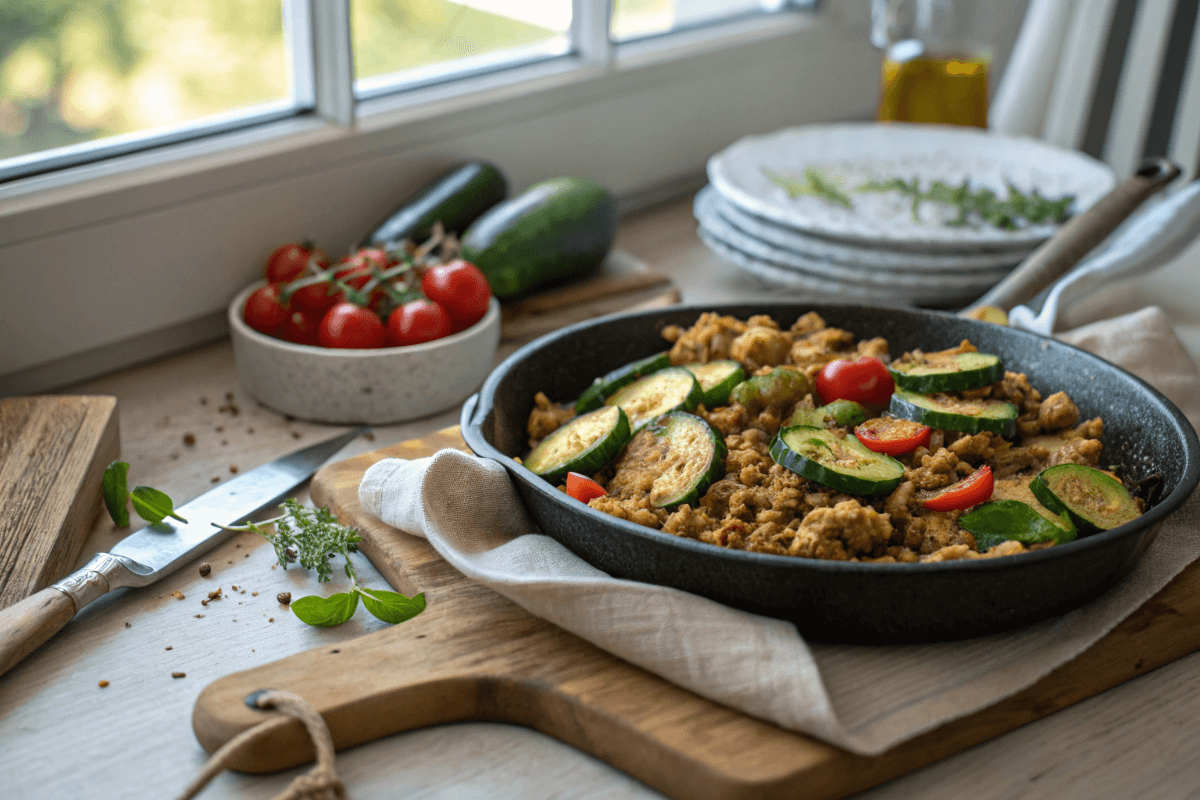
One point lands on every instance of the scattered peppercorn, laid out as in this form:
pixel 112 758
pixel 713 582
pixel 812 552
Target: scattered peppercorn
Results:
pixel 216 479
pixel 103 684
pixel 127 625
pixel 205 569
pixel 169 647
pixel 178 674
pixel 189 439
pixel 295 434
pixel 285 598
pixel 233 468
pixel 178 595
pixel 198 616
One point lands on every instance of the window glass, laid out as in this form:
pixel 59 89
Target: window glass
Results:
pixel 634 19
pixel 74 71
pixel 410 41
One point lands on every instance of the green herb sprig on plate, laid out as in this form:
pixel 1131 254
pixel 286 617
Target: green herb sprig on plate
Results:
pixel 314 538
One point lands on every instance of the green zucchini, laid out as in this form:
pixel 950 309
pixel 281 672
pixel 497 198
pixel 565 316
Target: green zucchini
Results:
pixel 781 386
pixel 839 412
pixel 717 379
pixel 666 390
pixel 456 198
pixel 694 457
pixel 947 372
pixel 593 396
pixel 557 229
pixel 843 464
pixel 1014 489
pixel 1004 520
pixel 585 444
pixel 953 414
pixel 1094 500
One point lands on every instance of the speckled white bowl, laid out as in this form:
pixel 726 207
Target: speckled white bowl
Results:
pixel 386 385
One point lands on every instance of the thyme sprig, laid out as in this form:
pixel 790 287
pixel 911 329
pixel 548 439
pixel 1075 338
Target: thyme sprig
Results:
pixel 314 538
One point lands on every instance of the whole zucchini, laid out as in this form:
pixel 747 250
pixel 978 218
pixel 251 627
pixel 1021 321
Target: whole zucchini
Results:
pixel 555 230
pixel 457 198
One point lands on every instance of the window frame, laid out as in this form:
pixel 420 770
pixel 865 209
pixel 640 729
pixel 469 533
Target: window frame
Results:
pixel 489 115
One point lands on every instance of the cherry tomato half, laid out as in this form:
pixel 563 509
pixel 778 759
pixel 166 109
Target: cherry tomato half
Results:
pixel 460 288
pixel 583 488
pixel 288 262
pixel 892 436
pixel 264 311
pixel 350 327
pixel 866 381
pixel 418 321
pixel 972 490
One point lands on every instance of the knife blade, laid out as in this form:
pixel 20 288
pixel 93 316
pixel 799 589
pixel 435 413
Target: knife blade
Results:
pixel 158 550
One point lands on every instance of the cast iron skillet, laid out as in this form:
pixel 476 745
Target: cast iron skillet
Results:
pixel 841 601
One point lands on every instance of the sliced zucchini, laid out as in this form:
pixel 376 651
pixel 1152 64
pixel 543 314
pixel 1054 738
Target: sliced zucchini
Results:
pixel 843 464
pixel 1017 489
pixel 1004 520
pixel 1094 500
pixel 717 379
pixel 839 412
pixel 694 457
pixel 585 444
pixel 593 396
pixel 668 389
pixel 782 386
pixel 946 372
pixel 954 414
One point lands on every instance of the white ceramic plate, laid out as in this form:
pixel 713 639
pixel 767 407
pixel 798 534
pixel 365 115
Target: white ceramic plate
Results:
pixel 709 208
pixel 779 277
pixel 856 153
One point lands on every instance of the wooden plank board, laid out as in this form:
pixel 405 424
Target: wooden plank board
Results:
pixel 473 655
pixel 53 451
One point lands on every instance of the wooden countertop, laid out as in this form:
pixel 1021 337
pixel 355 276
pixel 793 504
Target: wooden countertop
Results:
pixel 64 736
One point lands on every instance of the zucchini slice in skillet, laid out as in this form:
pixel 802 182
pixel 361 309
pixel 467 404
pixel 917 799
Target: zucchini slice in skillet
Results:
pixel 947 372
pixel 593 396
pixel 585 444
pixel 668 389
pixel 952 414
pixel 1003 520
pixel 717 379
pixel 694 457
pixel 1094 500
pixel 839 412
pixel 843 464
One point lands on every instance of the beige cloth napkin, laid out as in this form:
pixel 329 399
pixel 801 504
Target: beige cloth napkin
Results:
pixel 865 699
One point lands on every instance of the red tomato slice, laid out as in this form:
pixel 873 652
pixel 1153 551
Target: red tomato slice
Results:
pixel 583 488
pixel 866 381
pixel 892 436
pixel 972 490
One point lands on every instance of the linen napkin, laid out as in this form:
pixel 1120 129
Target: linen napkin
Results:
pixel 863 698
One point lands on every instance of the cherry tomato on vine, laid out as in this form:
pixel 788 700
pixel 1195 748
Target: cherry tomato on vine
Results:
pixel 355 270
pixel 418 321
pixel 892 436
pixel 972 490
pixel 316 298
pixel 301 328
pixel 347 326
pixel 460 288
pixel 264 311
pixel 583 488
pixel 288 262
pixel 866 381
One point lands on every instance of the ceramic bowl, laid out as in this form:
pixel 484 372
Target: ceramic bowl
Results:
pixel 377 387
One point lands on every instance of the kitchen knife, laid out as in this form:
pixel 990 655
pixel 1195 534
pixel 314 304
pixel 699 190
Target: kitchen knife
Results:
pixel 159 549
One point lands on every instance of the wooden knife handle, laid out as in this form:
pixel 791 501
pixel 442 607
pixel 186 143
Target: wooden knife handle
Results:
pixel 26 625
pixel 1074 240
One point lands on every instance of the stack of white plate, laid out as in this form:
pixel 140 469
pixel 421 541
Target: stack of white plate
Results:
pixel 877 251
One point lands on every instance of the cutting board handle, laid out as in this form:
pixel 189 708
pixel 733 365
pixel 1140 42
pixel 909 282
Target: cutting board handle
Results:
pixel 26 625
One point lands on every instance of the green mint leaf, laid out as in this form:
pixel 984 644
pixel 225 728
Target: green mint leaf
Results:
pixel 325 612
pixel 152 505
pixel 826 188
pixel 115 492
pixel 793 187
pixel 392 607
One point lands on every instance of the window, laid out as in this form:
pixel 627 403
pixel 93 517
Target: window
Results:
pixel 635 19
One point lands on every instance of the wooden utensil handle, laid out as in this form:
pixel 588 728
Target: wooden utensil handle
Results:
pixel 26 625
pixel 1076 239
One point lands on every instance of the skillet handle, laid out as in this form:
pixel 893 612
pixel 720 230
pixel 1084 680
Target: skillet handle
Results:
pixel 1074 240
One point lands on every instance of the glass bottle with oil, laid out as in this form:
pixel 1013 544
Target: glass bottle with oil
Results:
pixel 935 67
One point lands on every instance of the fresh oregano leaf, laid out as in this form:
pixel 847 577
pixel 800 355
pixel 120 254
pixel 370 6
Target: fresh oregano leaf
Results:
pixel 325 612
pixel 116 492
pixel 152 505
pixel 392 607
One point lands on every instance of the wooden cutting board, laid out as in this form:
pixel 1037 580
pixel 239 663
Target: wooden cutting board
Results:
pixel 473 655
pixel 53 451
